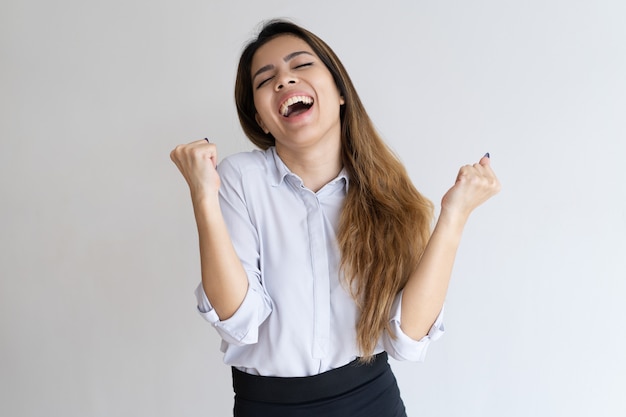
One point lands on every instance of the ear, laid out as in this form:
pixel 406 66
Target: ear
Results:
pixel 260 122
pixel 342 101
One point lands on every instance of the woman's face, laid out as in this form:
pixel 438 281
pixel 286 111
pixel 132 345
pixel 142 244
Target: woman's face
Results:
pixel 295 96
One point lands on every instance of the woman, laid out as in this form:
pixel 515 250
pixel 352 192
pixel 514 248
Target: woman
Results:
pixel 316 253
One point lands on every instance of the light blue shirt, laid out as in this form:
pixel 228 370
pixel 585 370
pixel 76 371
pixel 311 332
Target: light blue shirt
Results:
pixel 297 318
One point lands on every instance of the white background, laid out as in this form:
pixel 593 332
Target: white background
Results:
pixel 98 251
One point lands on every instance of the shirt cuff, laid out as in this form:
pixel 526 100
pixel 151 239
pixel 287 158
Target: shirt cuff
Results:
pixel 403 347
pixel 242 328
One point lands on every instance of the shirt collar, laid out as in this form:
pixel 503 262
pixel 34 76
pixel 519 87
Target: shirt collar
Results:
pixel 277 167
pixel 279 170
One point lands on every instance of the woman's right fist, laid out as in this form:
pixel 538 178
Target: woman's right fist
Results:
pixel 197 162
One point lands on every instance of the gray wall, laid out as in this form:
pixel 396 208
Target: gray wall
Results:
pixel 98 253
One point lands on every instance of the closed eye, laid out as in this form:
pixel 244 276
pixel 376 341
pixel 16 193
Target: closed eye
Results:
pixel 262 83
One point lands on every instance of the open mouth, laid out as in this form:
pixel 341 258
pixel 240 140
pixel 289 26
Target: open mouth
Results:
pixel 296 105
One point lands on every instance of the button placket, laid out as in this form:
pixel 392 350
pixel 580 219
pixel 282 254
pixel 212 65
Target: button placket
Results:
pixel 319 266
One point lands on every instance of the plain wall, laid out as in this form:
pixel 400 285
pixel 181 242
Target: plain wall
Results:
pixel 98 247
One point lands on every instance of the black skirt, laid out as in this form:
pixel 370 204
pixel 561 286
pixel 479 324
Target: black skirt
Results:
pixel 353 390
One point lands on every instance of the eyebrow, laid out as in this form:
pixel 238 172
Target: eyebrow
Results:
pixel 287 58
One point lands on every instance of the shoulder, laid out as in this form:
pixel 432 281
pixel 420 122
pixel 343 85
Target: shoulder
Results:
pixel 246 175
pixel 242 162
pixel 256 169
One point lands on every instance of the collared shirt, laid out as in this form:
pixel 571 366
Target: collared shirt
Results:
pixel 298 317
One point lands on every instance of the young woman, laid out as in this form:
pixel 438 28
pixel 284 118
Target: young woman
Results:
pixel 317 255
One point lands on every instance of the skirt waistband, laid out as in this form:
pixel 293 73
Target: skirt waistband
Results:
pixel 297 390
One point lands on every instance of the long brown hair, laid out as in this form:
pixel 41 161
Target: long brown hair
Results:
pixel 385 222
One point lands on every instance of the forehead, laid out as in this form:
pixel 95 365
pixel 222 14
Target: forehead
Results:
pixel 277 49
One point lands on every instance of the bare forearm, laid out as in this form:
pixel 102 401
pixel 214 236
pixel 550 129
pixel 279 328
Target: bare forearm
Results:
pixel 223 277
pixel 425 292
pixel 426 289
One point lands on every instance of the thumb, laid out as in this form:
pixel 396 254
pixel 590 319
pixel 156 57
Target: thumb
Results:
pixel 485 160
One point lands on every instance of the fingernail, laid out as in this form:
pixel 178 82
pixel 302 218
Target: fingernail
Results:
pixel 487 155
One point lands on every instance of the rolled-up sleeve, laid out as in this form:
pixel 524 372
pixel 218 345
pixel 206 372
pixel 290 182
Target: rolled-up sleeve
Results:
pixel 403 347
pixel 242 328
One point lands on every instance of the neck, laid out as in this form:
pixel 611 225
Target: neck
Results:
pixel 316 167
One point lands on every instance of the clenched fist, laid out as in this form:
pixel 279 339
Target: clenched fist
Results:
pixel 197 162
pixel 474 185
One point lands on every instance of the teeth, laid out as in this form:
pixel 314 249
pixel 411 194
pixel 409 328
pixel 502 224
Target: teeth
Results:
pixel 284 108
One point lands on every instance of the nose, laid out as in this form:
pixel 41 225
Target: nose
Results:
pixel 284 82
